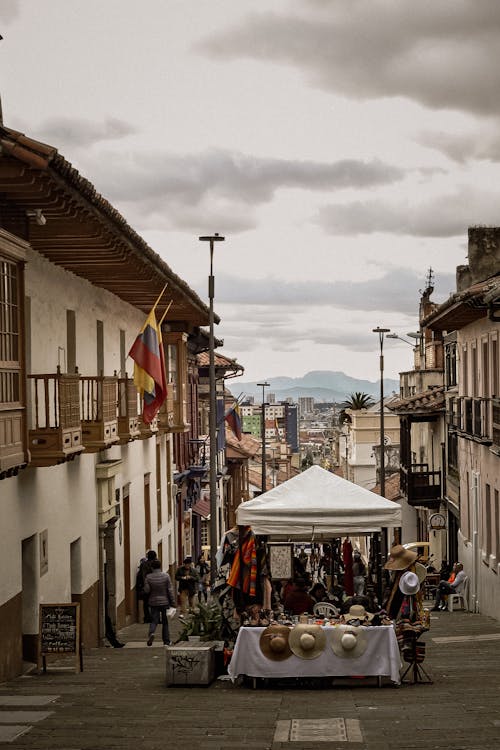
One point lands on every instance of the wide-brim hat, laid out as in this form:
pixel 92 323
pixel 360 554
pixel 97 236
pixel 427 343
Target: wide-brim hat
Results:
pixel 421 572
pixel 358 612
pixel 400 558
pixel 307 641
pixel 348 642
pixel 409 583
pixel 274 642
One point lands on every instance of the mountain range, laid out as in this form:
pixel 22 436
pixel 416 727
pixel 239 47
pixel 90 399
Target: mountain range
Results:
pixel 322 385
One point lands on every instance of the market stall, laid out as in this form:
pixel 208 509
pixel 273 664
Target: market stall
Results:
pixel 375 654
pixel 318 504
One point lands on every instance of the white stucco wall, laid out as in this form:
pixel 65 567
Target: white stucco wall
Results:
pixel 63 499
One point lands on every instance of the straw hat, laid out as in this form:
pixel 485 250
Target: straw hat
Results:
pixel 421 571
pixel 348 642
pixel 274 642
pixel 400 558
pixel 409 583
pixel 358 612
pixel 307 641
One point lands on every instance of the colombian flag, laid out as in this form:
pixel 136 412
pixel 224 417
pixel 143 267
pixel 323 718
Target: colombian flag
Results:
pixel 234 421
pixel 149 367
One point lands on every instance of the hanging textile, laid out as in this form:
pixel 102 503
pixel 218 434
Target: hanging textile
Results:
pixel 347 560
pixel 243 573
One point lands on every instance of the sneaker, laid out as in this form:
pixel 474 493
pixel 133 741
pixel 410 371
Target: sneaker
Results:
pixel 150 640
pixel 167 643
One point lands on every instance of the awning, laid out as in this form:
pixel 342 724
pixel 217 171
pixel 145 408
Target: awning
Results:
pixel 202 508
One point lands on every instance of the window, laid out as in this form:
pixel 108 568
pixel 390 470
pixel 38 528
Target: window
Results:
pixel 452 451
pixel 10 365
pixel 451 364
pixel 496 518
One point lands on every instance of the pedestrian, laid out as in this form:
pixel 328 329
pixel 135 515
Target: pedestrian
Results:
pixel 358 573
pixel 203 570
pixel 297 600
pixel 158 587
pixel 144 570
pixel 446 588
pixel 187 578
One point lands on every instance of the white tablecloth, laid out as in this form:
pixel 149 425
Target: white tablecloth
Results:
pixel 381 658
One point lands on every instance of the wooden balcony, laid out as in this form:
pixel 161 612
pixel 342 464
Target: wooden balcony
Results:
pixel 148 430
pixel 128 413
pixel 13 450
pixel 421 487
pixel 98 403
pixel 56 435
pixel 166 414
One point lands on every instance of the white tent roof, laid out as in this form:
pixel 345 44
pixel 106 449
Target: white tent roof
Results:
pixel 320 504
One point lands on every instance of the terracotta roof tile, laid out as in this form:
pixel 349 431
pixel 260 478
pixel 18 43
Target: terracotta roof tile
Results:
pixel 428 401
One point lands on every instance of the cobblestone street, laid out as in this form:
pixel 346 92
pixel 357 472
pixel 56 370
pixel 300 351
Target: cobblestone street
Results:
pixel 121 701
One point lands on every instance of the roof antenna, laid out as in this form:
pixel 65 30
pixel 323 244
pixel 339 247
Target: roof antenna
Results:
pixel 429 288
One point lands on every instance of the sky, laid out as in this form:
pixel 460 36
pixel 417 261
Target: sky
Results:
pixel 341 147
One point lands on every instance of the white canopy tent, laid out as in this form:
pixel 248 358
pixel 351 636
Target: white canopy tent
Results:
pixel 318 505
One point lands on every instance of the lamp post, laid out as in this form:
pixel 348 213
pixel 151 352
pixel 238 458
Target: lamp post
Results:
pixel 381 332
pixel 381 544
pixel 212 415
pixel 263 436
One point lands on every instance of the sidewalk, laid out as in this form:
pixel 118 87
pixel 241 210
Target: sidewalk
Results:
pixel 121 701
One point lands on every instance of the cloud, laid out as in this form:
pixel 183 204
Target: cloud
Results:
pixel 79 132
pixel 217 187
pixel 234 175
pixel 394 291
pixel 481 144
pixel 443 216
pixel 9 10
pixel 438 54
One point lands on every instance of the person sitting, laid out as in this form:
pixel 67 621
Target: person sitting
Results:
pixel 318 593
pixel 446 588
pixel 297 601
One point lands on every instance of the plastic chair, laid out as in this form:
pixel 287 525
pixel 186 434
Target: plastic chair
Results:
pixel 326 609
pixel 462 598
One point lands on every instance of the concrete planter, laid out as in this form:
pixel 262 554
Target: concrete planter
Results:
pixel 191 663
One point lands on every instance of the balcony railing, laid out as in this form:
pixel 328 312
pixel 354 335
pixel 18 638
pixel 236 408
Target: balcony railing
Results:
pixel 420 486
pixel 98 403
pixel 128 413
pixel 56 434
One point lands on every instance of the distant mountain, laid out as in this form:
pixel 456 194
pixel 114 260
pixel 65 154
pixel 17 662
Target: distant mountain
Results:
pixel 322 385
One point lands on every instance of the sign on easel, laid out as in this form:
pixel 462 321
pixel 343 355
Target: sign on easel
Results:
pixel 59 633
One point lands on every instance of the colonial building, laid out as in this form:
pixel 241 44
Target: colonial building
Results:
pixel 469 322
pixel 86 487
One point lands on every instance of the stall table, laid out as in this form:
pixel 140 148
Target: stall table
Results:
pixel 381 658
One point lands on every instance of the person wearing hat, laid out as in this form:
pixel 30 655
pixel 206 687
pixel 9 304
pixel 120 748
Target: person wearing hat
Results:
pixel 187 578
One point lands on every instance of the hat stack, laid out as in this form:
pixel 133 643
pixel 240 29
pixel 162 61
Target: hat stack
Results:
pixel 307 641
pixel 400 558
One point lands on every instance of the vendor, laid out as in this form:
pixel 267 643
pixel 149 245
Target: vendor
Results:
pixel 297 601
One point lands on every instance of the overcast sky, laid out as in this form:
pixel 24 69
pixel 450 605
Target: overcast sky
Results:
pixel 341 146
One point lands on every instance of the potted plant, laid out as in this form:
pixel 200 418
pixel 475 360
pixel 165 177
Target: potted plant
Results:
pixel 203 624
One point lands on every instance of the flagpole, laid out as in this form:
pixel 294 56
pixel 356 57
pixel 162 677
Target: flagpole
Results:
pixel 160 296
pixel 166 311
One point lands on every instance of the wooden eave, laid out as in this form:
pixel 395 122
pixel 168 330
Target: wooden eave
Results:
pixel 465 307
pixel 83 233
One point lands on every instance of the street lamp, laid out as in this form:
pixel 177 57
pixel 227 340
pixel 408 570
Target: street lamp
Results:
pixel 263 436
pixel 212 415
pixel 381 549
pixel 381 332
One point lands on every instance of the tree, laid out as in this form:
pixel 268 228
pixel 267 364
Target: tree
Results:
pixel 355 401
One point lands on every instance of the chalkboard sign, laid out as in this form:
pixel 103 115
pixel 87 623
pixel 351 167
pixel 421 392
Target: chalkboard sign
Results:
pixel 59 631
